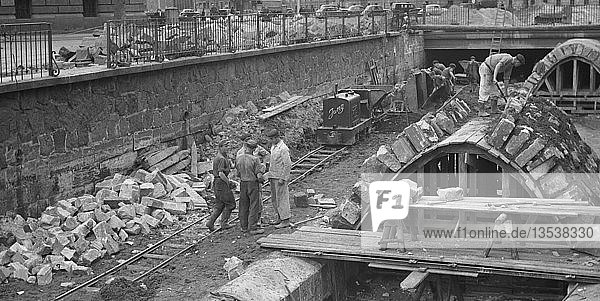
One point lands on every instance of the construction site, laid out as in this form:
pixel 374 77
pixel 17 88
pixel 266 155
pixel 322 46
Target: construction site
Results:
pixel 109 174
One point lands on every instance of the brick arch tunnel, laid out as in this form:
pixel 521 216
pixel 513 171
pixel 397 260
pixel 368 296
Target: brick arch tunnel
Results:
pixel 569 76
pixel 535 142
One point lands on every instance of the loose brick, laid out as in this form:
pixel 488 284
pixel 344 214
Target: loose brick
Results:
pixel 388 158
pixel 517 140
pixel 428 131
pixel 444 123
pixel 542 169
pixel 90 256
pixel 553 183
pixel 403 149
pixel 530 152
pixel 171 207
pixel 19 271
pixel 501 133
pixel 417 138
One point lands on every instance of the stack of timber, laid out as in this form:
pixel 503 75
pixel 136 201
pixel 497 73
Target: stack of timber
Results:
pixel 362 246
pixel 168 161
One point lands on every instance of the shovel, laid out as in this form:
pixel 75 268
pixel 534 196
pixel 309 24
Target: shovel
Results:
pixel 505 99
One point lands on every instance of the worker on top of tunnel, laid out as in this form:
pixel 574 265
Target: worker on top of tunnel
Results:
pixel 488 74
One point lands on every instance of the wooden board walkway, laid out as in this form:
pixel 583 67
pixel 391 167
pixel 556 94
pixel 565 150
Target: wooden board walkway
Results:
pixel 361 246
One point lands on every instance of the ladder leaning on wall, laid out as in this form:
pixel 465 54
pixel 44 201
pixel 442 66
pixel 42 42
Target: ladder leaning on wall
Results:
pixel 499 22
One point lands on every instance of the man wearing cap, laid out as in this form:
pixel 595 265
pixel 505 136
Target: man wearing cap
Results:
pixel 488 73
pixel 473 72
pixel 250 171
pixel 224 199
pixel 448 74
pixel 259 152
pixel 263 155
pixel 279 179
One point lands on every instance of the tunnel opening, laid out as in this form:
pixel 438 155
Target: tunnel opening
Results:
pixel 520 74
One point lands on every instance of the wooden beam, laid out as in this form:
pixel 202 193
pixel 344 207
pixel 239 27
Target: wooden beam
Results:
pixel 549 86
pixel 506 187
pixel 592 78
pixel 575 76
pixel 559 87
pixel 413 280
pixel 462 171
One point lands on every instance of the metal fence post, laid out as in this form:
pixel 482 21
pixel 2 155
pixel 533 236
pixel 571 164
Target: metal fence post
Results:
pixel 306 27
pixel 229 36
pixel 343 26
pixel 358 22
pixel 156 45
pixel 50 56
pixel 197 45
pixel 283 21
pixel 257 30
pixel 326 30
pixel 109 50
pixel 385 19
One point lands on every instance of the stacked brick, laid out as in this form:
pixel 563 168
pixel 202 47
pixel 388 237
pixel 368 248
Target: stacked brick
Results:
pixel 418 137
pixel 537 138
pixel 78 231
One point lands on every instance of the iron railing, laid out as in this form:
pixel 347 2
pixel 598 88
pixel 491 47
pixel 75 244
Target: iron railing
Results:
pixel 518 17
pixel 137 41
pixel 25 51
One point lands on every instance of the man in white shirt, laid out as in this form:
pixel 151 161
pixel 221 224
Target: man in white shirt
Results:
pixel 279 179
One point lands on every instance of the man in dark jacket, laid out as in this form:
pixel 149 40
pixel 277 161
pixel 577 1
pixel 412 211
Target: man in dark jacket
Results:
pixel 224 199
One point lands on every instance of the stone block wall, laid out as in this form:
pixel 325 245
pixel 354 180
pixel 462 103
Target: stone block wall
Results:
pixel 57 141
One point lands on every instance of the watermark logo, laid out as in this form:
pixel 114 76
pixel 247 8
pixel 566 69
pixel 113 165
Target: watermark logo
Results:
pixel 389 200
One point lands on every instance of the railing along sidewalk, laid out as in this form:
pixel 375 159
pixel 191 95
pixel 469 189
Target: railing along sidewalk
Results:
pixel 534 15
pixel 154 40
pixel 26 51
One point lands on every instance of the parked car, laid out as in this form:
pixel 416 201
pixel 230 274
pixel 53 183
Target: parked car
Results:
pixel 355 10
pixel 188 14
pixel 329 11
pixel 433 9
pixel 401 8
pixel 373 10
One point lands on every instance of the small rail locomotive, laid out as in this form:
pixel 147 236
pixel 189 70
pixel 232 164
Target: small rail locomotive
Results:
pixel 350 113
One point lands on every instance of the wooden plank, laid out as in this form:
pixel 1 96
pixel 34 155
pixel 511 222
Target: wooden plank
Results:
pixel 156 256
pixel 286 106
pixel 506 184
pixel 510 266
pixel 161 155
pixel 466 131
pixel 413 280
pixel 431 271
pixel 549 86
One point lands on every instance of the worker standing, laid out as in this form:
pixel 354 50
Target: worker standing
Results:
pixel 279 179
pixel 473 72
pixel 488 73
pixel 224 199
pixel 448 74
pixel 264 156
pixel 439 66
pixel 250 171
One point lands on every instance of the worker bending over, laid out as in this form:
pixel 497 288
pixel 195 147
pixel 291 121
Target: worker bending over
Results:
pixel 488 74
pixel 448 74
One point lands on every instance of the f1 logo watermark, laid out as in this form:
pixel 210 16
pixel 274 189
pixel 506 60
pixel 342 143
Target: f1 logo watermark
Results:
pixel 388 200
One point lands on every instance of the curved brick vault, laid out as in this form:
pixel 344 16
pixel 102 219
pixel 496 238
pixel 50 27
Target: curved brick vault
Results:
pixel 535 140
pixel 569 76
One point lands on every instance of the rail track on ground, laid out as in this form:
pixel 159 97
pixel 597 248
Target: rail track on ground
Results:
pixel 305 165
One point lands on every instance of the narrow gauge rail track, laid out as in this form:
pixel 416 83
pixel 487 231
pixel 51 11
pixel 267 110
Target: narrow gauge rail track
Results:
pixel 300 169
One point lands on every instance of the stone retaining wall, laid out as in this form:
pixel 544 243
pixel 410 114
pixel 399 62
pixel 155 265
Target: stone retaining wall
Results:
pixel 61 135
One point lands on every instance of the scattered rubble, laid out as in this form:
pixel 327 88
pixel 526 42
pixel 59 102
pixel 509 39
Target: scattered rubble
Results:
pixel 77 232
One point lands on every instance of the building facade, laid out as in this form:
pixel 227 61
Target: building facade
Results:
pixel 65 14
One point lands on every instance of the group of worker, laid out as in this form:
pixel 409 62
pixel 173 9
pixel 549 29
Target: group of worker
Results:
pixel 485 73
pixel 251 163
